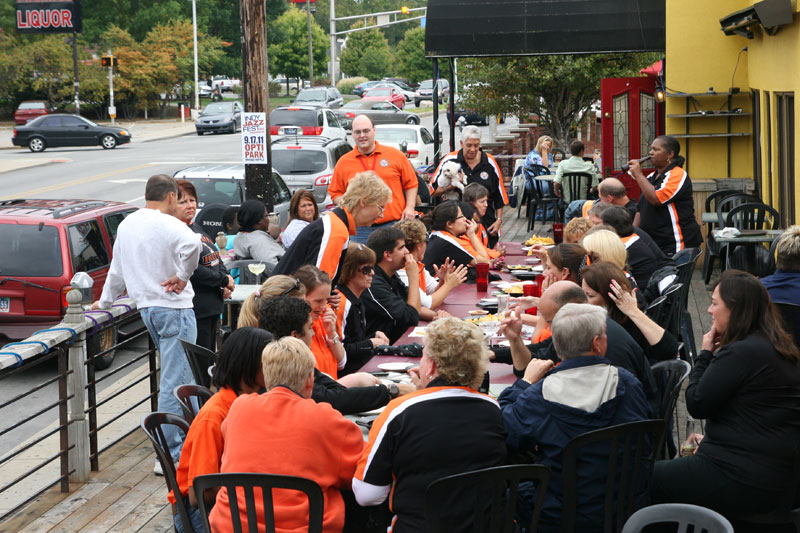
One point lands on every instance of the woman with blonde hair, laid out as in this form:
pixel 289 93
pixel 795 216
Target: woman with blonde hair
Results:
pixel 421 437
pixel 323 243
pixel 542 154
pixel 605 245
pixel 278 285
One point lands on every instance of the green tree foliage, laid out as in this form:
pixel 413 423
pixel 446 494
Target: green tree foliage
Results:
pixel 411 62
pixel 560 89
pixel 36 69
pixel 344 8
pixel 366 54
pixel 289 54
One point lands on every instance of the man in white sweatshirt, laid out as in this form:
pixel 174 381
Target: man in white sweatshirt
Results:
pixel 155 254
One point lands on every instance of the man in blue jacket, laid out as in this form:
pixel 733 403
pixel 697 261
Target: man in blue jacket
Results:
pixel 550 406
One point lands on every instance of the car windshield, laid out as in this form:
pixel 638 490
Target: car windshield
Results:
pixel 380 92
pixel 355 104
pixel 31 105
pixel 31 251
pixel 293 117
pixel 395 135
pixel 311 96
pixel 219 191
pixel 303 161
pixel 427 84
pixel 218 108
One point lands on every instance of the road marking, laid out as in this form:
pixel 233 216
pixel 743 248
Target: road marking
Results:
pixel 36 192
pixel 134 200
pixel 132 180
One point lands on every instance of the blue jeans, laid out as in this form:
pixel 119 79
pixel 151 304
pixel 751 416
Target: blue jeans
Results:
pixel 194 517
pixel 167 326
pixel 363 232
pixel 574 210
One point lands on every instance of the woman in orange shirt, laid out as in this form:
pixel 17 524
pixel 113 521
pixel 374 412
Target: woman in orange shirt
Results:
pixel 477 196
pixel 326 345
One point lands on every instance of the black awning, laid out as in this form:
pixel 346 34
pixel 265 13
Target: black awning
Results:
pixel 474 28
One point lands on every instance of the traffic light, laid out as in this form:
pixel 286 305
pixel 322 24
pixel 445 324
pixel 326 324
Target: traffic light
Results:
pixel 404 10
pixel 108 61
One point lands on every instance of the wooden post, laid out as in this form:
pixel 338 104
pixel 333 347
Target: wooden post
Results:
pixel 76 388
pixel 255 73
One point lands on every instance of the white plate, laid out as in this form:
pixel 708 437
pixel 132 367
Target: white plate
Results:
pixel 395 367
pixel 488 300
pixel 507 343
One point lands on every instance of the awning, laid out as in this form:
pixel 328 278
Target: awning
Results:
pixel 769 14
pixel 652 70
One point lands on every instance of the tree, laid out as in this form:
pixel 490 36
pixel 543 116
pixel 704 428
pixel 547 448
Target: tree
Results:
pixel 289 55
pixel 366 54
pixel 411 62
pixel 560 89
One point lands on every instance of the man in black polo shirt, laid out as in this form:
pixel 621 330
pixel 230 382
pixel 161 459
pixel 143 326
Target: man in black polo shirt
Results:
pixel 391 307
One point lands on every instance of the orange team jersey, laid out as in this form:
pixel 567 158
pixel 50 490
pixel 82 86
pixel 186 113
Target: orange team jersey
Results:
pixel 390 164
pixel 484 237
pixel 325 360
pixel 202 449
pixel 585 209
pixel 544 334
pixel 423 283
pixel 465 242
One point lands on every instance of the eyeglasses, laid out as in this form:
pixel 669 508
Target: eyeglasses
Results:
pixel 361 132
pixel 381 209
pixel 294 287
pixel 367 270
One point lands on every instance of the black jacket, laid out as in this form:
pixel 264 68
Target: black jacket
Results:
pixel 208 279
pixel 357 344
pixel 387 310
pixel 346 400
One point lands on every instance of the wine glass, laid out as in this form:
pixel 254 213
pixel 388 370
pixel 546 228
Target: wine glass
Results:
pixel 257 269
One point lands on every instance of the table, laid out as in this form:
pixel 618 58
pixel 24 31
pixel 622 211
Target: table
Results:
pixel 749 241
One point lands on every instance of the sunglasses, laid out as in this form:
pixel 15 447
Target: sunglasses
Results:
pixel 294 287
pixel 367 270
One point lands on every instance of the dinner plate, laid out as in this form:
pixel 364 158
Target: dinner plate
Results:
pixel 507 343
pixel 396 367
pixel 489 300
pixel 478 312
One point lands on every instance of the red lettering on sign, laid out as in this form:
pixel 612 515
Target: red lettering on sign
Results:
pixel 44 18
pixel 66 18
pixel 21 22
pixel 34 18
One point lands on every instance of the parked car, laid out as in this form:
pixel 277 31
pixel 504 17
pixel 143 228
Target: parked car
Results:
pixel 386 94
pixel 224 83
pixel 67 130
pixel 307 162
pixel 294 84
pixel 320 97
pixel 219 117
pixel 414 140
pixel 30 110
pixel 425 91
pixel 379 112
pixel 359 89
pixel 402 82
pixel 408 92
pixel 47 242
pixel 204 90
pixel 299 120
pixel 221 186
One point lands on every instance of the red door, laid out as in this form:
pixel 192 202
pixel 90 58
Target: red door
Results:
pixel 631 119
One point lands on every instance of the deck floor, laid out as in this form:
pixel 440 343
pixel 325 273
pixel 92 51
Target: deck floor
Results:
pixel 125 495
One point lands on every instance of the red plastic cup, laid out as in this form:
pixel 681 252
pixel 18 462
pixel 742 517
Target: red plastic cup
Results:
pixel 558 232
pixel 482 276
pixel 531 289
pixel 540 283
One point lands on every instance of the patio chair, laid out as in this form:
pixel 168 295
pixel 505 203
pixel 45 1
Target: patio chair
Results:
pixel 687 261
pixel 185 393
pixel 200 359
pixel 628 448
pixel 493 494
pixel 530 172
pixel 700 519
pixel 578 184
pixel 669 377
pixel 246 483
pixel 712 250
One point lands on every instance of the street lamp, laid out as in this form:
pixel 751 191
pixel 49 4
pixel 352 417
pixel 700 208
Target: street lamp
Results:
pixel 194 30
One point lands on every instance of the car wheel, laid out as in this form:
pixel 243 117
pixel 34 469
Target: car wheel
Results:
pixel 412 120
pixel 108 141
pixel 416 102
pixel 200 133
pixel 36 144
pixel 100 342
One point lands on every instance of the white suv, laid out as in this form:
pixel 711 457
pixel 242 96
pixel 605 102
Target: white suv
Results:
pixel 300 120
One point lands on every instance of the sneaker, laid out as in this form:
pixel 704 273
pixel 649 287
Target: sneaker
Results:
pixel 157 469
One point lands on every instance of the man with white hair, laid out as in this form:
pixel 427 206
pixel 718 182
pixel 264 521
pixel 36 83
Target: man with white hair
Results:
pixel 478 167
pixel 784 285
pixel 550 406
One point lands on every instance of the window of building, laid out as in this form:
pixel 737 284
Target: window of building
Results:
pixel 784 115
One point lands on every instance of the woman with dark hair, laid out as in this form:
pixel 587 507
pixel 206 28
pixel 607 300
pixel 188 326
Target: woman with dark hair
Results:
pixel 210 280
pixel 607 286
pixel 253 240
pixel 449 223
pixel 303 211
pixel 746 385
pixel 238 371
pixel 477 196
pixel 666 207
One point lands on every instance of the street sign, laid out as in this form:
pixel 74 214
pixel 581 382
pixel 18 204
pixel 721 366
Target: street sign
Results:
pixel 112 111
pixel 35 16
pixel 254 138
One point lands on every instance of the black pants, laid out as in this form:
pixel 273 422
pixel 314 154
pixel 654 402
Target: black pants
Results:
pixel 207 332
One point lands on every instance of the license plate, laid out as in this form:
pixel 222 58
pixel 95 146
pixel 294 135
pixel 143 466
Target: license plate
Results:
pixel 5 305
pixel 290 131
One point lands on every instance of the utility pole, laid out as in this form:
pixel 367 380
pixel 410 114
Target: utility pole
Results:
pixel 255 73
pixel 194 37
pixel 311 46
pixel 112 111
pixel 76 84
pixel 332 66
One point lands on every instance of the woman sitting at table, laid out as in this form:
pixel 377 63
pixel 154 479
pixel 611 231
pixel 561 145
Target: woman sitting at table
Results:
pixel 237 372
pixel 746 385
pixel 303 211
pixel 448 224
pixel 576 230
pixel 606 285
pixel 253 240
pixel 432 292
pixel 351 320
pixel 477 196
pixel 446 427
pixel 605 245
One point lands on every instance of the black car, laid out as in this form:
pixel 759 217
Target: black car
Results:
pixel 220 116
pixel 67 130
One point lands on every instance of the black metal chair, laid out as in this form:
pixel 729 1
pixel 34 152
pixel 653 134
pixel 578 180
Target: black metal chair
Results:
pixel 751 257
pixel 547 200
pixel 578 184
pixel 248 482
pixel 152 425
pixel 687 262
pixel 184 395
pixel 701 519
pixel 530 172
pixel 629 449
pixel 791 319
pixel 495 498
pixel 725 205
pixel 669 377
pixel 200 359
pixel 712 250
pixel 671 316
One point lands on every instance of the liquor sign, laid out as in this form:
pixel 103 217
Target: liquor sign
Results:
pixel 34 16
pixel 254 138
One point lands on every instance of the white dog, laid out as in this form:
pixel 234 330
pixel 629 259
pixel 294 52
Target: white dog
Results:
pixel 451 174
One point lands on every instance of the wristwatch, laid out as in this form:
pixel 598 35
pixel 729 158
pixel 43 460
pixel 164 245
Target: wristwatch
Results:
pixel 335 339
pixel 394 390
